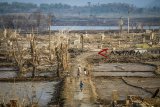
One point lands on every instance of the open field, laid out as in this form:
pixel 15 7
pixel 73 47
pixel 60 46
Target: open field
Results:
pixel 40 58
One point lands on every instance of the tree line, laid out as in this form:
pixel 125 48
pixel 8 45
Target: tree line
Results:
pixel 13 7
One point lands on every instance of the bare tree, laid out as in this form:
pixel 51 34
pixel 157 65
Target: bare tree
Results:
pixel 121 24
pixel 19 53
pixel 13 49
pixel 61 52
pixel 50 16
pixel 33 53
pixel 58 56
pixel 5 43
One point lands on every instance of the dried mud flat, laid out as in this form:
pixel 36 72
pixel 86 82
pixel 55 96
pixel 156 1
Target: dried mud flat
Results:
pixel 148 84
pixel 105 86
pixel 127 79
pixel 124 69
pixel 26 92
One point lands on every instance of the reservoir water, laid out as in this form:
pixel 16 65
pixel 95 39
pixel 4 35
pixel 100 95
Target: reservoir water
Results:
pixel 97 27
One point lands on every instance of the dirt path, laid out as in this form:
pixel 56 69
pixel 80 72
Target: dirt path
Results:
pixel 73 95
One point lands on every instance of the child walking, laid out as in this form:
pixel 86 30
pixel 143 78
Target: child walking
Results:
pixel 81 85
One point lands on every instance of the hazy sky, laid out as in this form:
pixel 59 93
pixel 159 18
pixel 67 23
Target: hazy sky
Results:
pixel 138 3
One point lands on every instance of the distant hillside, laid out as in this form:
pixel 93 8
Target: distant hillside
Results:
pixel 139 3
pixel 79 11
pixel 155 3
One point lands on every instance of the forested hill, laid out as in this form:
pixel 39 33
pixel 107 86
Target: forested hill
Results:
pixel 138 3
pixel 120 8
pixel 155 3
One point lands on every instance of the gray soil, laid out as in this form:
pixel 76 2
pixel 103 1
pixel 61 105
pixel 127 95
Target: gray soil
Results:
pixel 124 69
pixel 27 92
pixel 105 86
pixel 126 78
pixel 13 73
pixel 149 84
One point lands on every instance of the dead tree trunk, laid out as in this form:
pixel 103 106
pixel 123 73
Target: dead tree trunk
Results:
pixel 62 53
pixel 82 41
pixel 33 54
pixel 62 58
pixel 65 56
pixel 58 61
pixel 49 25
pixel 120 25
pixel 18 55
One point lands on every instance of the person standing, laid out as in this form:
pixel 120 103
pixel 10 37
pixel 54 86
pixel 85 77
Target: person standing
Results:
pixel 85 71
pixel 79 71
pixel 81 85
